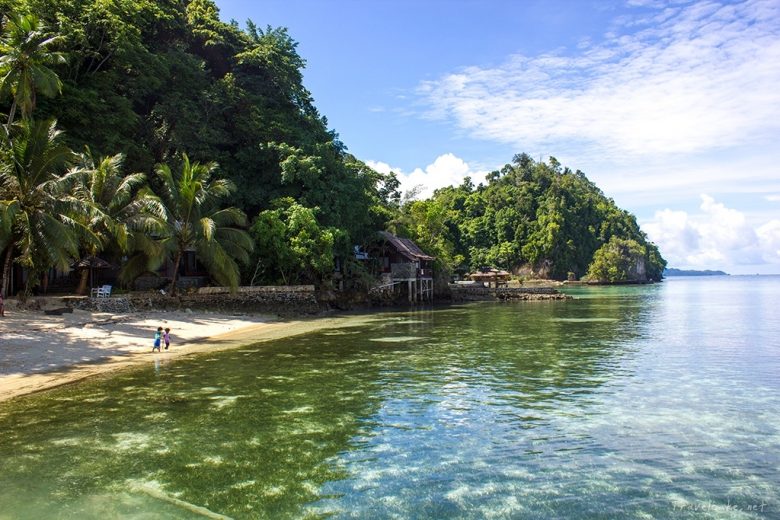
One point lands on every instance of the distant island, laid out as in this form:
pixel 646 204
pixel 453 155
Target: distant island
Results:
pixel 691 272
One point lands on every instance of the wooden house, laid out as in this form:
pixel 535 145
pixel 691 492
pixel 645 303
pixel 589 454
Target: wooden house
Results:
pixel 403 267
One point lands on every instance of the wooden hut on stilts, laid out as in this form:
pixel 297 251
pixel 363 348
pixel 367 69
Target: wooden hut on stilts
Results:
pixel 404 267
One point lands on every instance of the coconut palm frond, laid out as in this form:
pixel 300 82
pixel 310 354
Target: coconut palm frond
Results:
pixel 207 227
pixel 221 265
pixel 229 217
pixel 194 219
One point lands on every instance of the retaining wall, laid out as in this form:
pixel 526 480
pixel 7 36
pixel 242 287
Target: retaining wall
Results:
pixel 482 293
pixel 296 299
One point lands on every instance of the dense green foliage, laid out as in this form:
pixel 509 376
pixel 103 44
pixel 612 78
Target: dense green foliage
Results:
pixel 152 79
pixel 119 209
pixel 195 220
pixel 145 84
pixel 617 261
pixel 25 57
pixel 296 249
pixel 532 217
pixel 38 198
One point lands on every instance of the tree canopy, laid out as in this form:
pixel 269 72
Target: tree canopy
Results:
pixel 148 83
pixel 152 79
pixel 534 217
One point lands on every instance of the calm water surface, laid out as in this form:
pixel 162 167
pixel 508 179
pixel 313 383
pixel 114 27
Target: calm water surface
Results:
pixel 636 402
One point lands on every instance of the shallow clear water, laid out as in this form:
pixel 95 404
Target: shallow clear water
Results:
pixel 633 402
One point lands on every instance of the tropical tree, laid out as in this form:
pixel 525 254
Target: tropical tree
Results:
pixel 25 57
pixel 292 246
pixel 37 202
pixel 121 206
pixel 618 261
pixel 429 228
pixel 194 221
pixel 530 217
pixel 8 212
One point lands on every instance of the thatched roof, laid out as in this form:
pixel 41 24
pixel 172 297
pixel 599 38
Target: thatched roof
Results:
pixel 489 274
pixel 406 247
pixel 91 261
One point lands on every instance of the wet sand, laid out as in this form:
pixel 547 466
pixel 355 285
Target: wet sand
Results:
pixel 39 351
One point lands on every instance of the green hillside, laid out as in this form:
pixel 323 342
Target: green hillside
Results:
pixel 166 86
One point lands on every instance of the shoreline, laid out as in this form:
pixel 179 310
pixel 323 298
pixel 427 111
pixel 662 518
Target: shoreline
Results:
pixel 39 352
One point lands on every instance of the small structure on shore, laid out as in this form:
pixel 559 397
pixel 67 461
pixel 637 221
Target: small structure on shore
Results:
pixel 490 276
pixel 403 267
pixel 90 263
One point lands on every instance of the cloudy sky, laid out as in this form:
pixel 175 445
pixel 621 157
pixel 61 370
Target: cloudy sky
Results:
pixel 672 107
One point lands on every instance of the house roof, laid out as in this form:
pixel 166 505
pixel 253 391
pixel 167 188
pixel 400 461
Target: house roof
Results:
pixel 406 247
pixel 91 261
pixel 490 274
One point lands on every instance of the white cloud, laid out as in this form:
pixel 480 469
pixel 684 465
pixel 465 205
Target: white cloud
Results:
pixel 716 238
pixel 445 170
pixel 689 79
pixel 646 3
pixel 769 235
pixel 679 98
pixel 662 179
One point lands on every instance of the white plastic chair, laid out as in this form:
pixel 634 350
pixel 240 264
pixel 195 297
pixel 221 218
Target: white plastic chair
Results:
pixel 101 292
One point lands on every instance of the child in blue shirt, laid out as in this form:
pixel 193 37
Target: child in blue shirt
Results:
pixel 157 338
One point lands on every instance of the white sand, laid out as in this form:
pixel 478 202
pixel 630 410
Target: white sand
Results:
pixel 39 351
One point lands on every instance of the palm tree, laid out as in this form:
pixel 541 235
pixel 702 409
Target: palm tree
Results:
pixel 24 63
pixel 36 196
pixel 121 206
pixel 195 222
pixel 8 210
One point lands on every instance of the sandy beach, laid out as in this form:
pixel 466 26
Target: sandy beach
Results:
pixel 40 351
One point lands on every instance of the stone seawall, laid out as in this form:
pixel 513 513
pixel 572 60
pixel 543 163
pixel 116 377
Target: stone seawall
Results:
pixel 481 293
pixel 295 299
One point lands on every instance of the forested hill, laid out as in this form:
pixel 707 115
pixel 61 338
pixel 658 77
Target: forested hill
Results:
pixel 540 217
pixel 153 80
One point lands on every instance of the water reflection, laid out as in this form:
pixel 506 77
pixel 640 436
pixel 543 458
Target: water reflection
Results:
pixel 603 407
pixel 243 433
pixel 468 412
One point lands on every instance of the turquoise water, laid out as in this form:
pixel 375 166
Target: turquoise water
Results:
pixel 659 401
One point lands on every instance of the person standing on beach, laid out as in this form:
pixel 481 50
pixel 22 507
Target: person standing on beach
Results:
pixel 167 337
pixel 157 339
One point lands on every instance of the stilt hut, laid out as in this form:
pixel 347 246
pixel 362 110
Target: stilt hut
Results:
pixel 404 267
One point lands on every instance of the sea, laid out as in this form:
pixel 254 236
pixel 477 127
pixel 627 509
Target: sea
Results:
pixel 652 401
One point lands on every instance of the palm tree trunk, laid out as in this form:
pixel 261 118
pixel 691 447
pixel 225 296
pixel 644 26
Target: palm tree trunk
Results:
pixel 7 270
pixel 82 288
pixel 29 284
pixel 12 112
pixel 175 272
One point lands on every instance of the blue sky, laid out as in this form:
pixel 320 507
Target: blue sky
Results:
pixel 671 107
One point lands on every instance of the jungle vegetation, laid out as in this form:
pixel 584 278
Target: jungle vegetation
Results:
pixel 137 130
